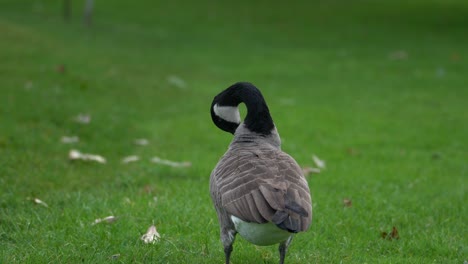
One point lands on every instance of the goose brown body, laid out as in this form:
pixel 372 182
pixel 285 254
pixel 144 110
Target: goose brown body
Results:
pixel 256 182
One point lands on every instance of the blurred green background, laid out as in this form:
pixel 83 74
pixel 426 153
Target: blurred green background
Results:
pixel 377 89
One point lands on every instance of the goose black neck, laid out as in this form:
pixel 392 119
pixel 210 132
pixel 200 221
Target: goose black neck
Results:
pixel 258 117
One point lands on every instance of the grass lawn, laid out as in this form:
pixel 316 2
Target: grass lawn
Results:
pixel 378 89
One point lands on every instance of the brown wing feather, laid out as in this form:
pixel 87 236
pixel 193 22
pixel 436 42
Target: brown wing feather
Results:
pixel 264 185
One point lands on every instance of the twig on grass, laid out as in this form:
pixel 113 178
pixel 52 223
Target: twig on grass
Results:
pixel 170 162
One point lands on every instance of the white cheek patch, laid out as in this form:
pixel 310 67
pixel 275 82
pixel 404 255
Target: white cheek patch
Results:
pixel 228 113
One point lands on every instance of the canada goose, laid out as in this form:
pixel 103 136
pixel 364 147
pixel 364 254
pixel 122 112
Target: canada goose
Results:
pixel 258 190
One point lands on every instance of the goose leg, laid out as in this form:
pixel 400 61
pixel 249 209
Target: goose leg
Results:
pixel 227 253
pixel 227 238
pixel 227 230
pixel 283 248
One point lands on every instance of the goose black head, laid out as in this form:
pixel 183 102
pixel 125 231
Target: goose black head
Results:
pixel 225 111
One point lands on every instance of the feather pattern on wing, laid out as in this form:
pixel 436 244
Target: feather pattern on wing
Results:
pixel 259 183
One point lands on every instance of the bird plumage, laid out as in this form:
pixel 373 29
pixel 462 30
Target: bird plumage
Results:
pixel 255 181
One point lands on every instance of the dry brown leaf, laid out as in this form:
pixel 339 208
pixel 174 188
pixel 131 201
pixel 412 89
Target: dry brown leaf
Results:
pixel 69 140
pixel 38 201
pixel 60 68
pixel 318 162
pixel 83 118
pixel 393 234
pixel 108 219
pixel 129 159
pixel 383 234
pixel 347 202
pixel 77 155
pixel 151 236
pixel 171 163
pixel 141 141
pixel 309 170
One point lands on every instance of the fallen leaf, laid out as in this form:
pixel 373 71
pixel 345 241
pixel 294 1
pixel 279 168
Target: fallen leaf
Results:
pixel 320 163
pixel 60 68
pixel 352 151
pixel 398 55
pixel 38 201
pixel 309 170
pixel 108 219
pixel 151 236
pixel 76 155
pixel 171 163
pixel 176 81
pixel 141 141
pixel 384 234
pixel 393 234
pixel 129 159
pixel 83 119
pixel 115 256
pixel 69 140
pixel 347 202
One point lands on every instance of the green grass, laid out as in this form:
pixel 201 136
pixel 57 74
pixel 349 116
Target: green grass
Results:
pixel 393 131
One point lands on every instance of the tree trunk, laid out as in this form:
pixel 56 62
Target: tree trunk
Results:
pixel 88 13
